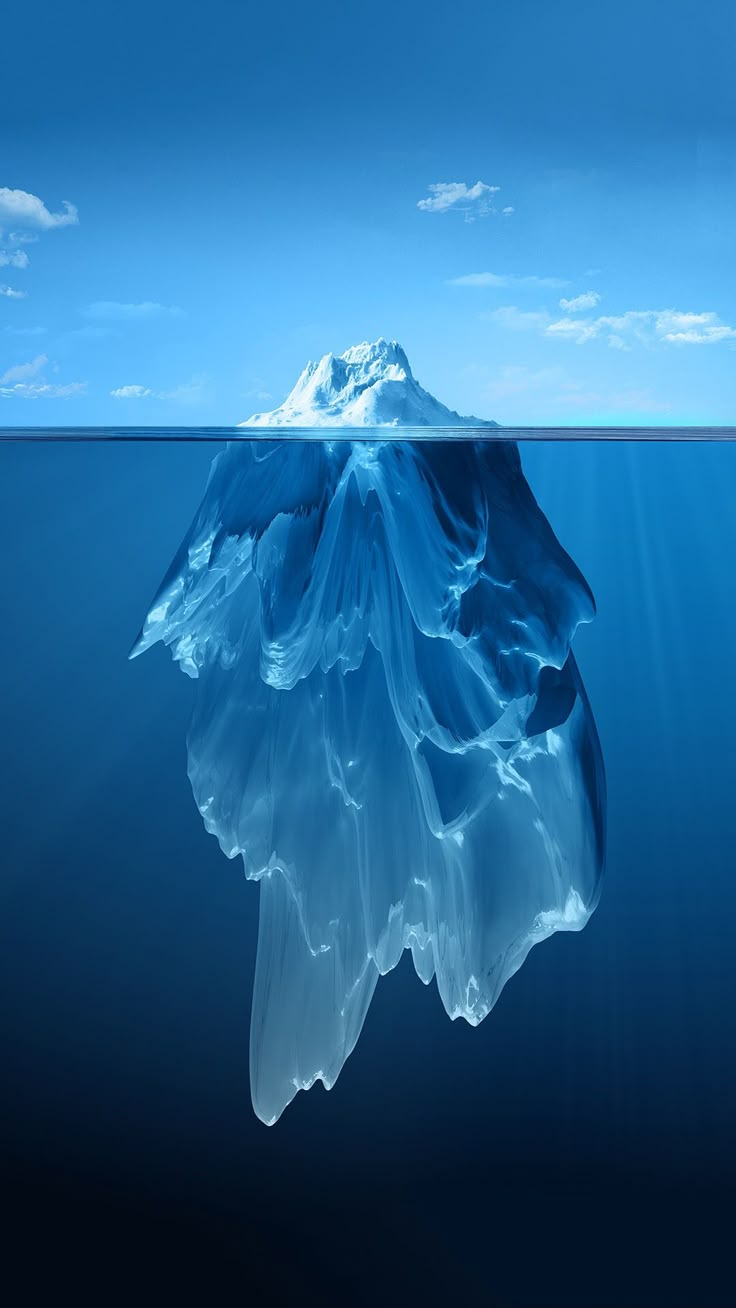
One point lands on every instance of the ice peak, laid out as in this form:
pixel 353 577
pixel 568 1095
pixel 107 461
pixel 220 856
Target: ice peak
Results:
pixel 379 356
pixel 368 385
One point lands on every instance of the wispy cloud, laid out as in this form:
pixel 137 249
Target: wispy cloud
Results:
pixel 645 327
pixel 25 381
pixel 42 390
pixel 13 259
pixel 489 279
pixel 23 371
pixel 588 300
pixel 473 202
pixel 114 311
pixel 507 210
pixel 27 215
pixel 188 394
pixel 22 209
pixel 131 392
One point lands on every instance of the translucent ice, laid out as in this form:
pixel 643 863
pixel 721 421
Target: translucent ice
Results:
pixel 389 725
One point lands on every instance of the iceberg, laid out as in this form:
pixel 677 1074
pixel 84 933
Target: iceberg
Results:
pixel 389 725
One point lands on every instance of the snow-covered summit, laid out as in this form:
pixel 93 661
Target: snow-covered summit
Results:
pixel 370 385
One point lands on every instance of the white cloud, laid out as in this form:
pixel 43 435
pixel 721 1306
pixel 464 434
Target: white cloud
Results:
pixel 508 210
pixel 25 381
pixel 588 300
pixel 22 371
pixel 573 329
pixel 13 259
pixel 41 391
pixel 189 394
pixel 506 279
pixel 114 311
pixel 692 328
pixel 644 327
pixel 22 209
pixel 131 392
pixel 473 201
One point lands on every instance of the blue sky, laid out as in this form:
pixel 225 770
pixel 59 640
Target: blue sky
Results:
pixel 196 200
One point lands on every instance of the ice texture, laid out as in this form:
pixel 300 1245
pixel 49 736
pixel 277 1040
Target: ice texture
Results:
pixel 389 726
pixel 370 385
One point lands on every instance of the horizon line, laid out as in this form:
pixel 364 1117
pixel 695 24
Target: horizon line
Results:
pixel 217 434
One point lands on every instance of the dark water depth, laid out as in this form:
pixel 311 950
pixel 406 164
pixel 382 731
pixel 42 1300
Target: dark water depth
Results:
pixel 578 1148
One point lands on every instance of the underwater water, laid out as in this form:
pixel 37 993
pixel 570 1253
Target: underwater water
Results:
pixel 579 1146
pixel 389 726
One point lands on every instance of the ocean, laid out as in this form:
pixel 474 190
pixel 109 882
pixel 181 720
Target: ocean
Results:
pixel 577 1148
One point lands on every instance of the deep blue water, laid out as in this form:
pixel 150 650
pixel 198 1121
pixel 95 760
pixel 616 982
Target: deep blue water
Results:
pixel 578 1148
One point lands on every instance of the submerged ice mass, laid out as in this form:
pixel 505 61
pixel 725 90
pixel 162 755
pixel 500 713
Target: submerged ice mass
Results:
pixel 389 724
